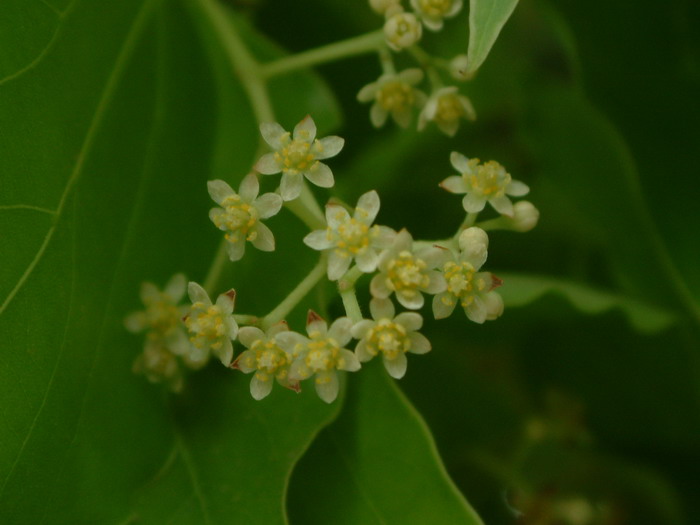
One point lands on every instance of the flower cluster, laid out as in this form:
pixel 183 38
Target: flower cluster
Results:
pixel 352 246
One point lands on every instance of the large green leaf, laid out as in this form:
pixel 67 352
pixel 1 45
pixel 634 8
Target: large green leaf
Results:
pixel 106 150
pixel 486 19
pixel 377 463
pixel 522 289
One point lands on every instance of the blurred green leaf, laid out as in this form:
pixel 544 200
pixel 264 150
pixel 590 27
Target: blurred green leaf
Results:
pixel 486 19
pixel 522 289
pixel 377 463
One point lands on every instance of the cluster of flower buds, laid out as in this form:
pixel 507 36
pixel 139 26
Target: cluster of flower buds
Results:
pixel 396 94
pixel 351 245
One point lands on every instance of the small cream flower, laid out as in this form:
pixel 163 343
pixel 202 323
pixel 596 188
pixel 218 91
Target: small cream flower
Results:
pixel 483 183
pixel 446 107
pixel 321 354
pixel 160 365
pixel 525 216
pixel 389 335
pixel 162 316
pixel 466 285
pixel 266 358
pixel 349 238
pixel 394 95
pixel 298 156
pixel 240 214
pixel 433 12
pixel 406 273
pixel 383 6
pixel 402 30
pixel 211 326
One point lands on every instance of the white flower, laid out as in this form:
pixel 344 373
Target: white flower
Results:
pixel 211 326
pixel 383 6
pixel 160 365
pixel 483 183
pixel 240 214
pixel 321 354
pixel 402 30
pixel 390 336
pixel 162 316
pixel 432 12
pixel 458 68
pixel 466 285
pixel 394 95
pixel 349 238
pixel 298 156
pixel 407 273
pixel 266 358
pixel 446 107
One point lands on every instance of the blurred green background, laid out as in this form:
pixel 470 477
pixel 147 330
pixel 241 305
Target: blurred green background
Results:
pixel 581 405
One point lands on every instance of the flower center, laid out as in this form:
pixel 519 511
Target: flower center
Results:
pixel 353 236
pixel 490 179
pixel 269 357
pixel 295 156
pixel 388 338
pixel 206 324
pixel 323 354
pixel 239 219
pixel 437 8
pixel 449 109
pixel 162 315
pixel 407 272
pixel 463 281
pixel 396 96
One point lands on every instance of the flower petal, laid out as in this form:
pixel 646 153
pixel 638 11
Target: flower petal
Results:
pixel 360 328
pixel 260 388
pixel 460 162
pixel 402 117
pixel 412 300
pixel 289 340
pixel 517 188
pixel 318 240
pixel 327 386
pixel 473 203
pixel 377 115
pixel 176 287
pixel 225 302
pixel 336 215
pixel 272 133
pixel 299 371
pixel 225 353
pixel 305 130
pixel 494 305
pixel 378 287
pixel 443 305
pixel 412 76
pixel 397 366
pixel 197 294
pixel 135 322
pixel 367 207
pixel 219 190
pixel 385 238
pixel 249 188
pixel 351 362
pixel 245 362
pixel 340 330
pixel 320 175
pixel 328 147
pixel 149 293
pixel 437 283
pixel 236 249
pixel 367 260
pixel 381 309
pixel 454 184
pixel 290 186
pixel 268 205
pixel 367 93
pixel 267 165
pixel 247 335
pixel 362 353
pixel 264 240
pixel 411 321
pixel 476 310
pixel 502 205
pixel 419 343
pixel 338 264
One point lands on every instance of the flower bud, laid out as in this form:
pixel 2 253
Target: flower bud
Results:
pixel 474 244
pixel 494 306
pixel 458 68
pixel 402 30
pixel 383 6
pixel 525 216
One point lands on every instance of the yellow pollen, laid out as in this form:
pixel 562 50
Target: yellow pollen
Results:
pixel 490 179
pixel 396 96
pixel 407 272
pixel 436 8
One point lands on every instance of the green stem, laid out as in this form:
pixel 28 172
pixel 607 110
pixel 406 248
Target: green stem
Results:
pixel 247 69
pixel 387 61
pixel 358 45
pixel 352 307
pixel 250 320
pixel 427 62
pixel 348 280
pixel 304 287
pixel 217 267
pixel 307 209
pixel 469 221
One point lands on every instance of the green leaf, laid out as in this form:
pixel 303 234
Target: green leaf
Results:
pixel 520 290
pixel 109 133
pixel 377 463
pixel 486 19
